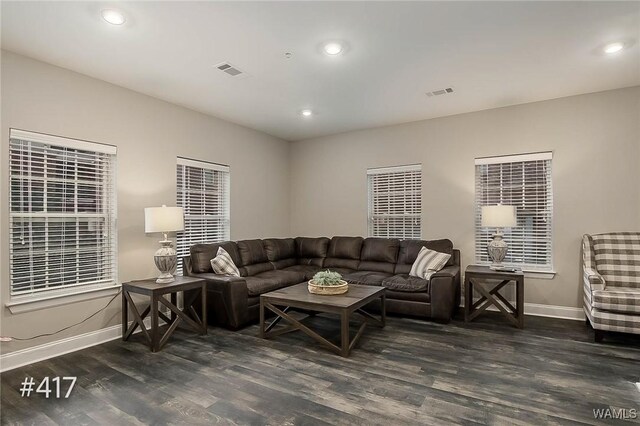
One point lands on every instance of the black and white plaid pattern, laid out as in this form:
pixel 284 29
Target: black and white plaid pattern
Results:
pixel 617 299
pixel 223 264
pixel 591 278
pixel 611 321
pixel 611 281
pixel 617 257
pixel 428 263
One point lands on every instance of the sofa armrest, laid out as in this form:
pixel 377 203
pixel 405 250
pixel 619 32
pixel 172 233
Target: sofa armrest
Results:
pixel 449 271
pixel 444 289
pixel 594 277
pixel 227 299
pixel 592 281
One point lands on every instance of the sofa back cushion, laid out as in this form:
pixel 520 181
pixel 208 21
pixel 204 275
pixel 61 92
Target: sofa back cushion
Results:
pixel 617 257
pixel 254 257
pixel 279 248
pixel 345 247
pixel 201 255
pixel 311 251
pixel 379 254
pixel 409 250
pixel 344 252
pixel 281 252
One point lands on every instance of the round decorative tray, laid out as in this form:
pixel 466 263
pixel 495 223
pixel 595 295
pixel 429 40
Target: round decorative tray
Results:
pixel 328 289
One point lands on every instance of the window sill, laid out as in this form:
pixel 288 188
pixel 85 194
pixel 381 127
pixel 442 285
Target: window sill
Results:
pixel 21 304
pixel 541 275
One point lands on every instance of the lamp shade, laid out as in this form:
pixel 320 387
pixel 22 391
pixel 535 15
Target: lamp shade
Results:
pixel 163 219
pixel 499 216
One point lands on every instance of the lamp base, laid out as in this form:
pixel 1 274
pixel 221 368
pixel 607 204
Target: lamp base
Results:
pixel 166 261
pixel 165 278
pixel 497 249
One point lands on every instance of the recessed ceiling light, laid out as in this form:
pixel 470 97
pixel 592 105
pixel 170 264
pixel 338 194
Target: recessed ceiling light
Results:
pixel 113 17
pixel 613 47
pixel 333 48
pixel 306 112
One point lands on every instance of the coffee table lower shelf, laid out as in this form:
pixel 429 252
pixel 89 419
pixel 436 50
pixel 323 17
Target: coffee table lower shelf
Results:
pixel 282 301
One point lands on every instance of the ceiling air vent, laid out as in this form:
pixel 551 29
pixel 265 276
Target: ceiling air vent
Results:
pixel 439 92
pixel 231 70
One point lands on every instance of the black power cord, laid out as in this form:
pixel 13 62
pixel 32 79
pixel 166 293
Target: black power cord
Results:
pixel 9 338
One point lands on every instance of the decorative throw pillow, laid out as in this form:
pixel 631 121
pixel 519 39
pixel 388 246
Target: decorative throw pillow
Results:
pixel 223 264
pixel 428 263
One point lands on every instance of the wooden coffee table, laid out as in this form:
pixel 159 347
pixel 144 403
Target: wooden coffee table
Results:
pixel 344 305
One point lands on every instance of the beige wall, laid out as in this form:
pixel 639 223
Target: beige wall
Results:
pixel 149 134
pixel 595 140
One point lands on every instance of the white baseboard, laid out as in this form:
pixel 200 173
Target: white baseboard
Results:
pixel 27 356
pixel 551 311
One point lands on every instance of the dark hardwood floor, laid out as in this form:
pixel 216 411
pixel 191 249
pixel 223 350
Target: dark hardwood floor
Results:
pixel 411 372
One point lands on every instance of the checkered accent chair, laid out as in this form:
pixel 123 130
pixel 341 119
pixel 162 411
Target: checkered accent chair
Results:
pixel 611 275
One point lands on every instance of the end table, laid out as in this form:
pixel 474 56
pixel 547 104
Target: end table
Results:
pixel 475 276
pixel 156 294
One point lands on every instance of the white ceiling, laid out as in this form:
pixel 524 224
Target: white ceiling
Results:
pixel 492 53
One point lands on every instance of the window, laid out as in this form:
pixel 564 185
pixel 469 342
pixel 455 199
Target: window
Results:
pixel 395 202
pixel 523 181
pixel 62 222
pixel 203 193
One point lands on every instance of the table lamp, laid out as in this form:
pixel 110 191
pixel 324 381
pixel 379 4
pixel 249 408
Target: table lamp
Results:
pixel 498 217
pixel 164 220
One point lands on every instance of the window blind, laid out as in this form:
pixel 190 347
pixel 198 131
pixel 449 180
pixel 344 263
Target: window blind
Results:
pixel 395 202
pixel 62 214
pixel 523 181
pixel 203 193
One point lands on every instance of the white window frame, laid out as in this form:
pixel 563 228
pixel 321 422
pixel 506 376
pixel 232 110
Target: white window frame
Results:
pixel 534 243
pixel 195 222
pixel 54 277
pixel 410 176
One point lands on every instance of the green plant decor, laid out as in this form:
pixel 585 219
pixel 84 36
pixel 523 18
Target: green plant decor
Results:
pixel 327 278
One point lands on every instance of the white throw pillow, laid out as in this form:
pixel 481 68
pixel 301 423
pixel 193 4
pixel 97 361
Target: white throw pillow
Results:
pixel 428 263
pixel 223 264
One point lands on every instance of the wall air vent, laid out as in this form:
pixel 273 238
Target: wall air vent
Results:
pixel 231 70
pixel 439 92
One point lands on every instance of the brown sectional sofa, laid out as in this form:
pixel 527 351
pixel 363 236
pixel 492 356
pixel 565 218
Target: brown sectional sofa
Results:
pixel 273 263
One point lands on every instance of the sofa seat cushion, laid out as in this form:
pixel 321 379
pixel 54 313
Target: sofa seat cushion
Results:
pixel 366 277
pixel 307 270
pixel 617 299
pixel 284 263
pixel 336 262
pixel 265 282
pixel 341 271
pixel 410 296
pixel 406 283
pixel 257 286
